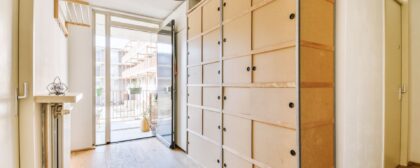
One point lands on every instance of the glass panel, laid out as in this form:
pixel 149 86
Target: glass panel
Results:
pixel 164 116
pixel 100 78
pixel 133 83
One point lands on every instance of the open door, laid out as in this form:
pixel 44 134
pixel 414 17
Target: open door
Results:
pixel 166 89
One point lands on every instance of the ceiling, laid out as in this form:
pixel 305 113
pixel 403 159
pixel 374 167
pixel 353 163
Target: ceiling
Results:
pixel 158 9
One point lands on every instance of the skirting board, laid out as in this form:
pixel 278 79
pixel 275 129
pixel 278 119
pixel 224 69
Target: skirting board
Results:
pixel 83 149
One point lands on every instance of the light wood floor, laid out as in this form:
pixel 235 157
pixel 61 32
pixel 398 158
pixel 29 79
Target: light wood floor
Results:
pixel 145 153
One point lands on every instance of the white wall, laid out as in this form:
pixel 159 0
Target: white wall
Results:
pixel 414 90
pixel 180 17
pixel 42 56
pixel 81 74
pixel 359 83
pixel 9 155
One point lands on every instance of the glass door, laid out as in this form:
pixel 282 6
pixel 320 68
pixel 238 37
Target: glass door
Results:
pixel 166 85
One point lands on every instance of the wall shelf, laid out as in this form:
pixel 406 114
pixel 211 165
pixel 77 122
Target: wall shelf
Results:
pixel 72 12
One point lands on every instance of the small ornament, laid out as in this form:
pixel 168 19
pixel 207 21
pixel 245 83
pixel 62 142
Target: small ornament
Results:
pixel 57 88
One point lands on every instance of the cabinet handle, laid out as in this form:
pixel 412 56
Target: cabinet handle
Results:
pixel 224 3
pixel 248 69
pixel 218 161
pixel 218 127
pixel 224 129
pixel 218 97
pixel 254 68
pixel 218 72
pixel 293 152
pixel 218 8
pixel 292 16
pixel 224 97
pixel 218 42
pixel 291 104
pixel 224 40
pixel 224 165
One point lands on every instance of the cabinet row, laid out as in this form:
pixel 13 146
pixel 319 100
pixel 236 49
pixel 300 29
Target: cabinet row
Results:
pixel 243 140
pixel 243 24
pixel 276 66
pixel 272 105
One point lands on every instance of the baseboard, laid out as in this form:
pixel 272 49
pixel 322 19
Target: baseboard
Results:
pixel 413 164
pixel 409 164
pixel 83 149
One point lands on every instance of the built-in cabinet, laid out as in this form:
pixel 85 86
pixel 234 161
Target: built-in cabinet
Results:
pixel 260 85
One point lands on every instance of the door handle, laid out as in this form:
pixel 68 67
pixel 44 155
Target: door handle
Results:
pixel 25 91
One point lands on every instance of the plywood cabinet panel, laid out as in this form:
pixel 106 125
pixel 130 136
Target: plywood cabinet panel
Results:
pixel 194 52
pixel 237 70
pixel 194 95
pixel 211 73
pixel 233 8
pixel 273 145
pixel 211 125
pixel 211 43
pixel 211 16
pixel 318 18
pixel 276 66
pixel 237 36
pixel 317 65
pixel 232 160
pixel 211 97
pixel 237 100
pixel 195 119
pixel 194 75
pixel 275 105
pixel 317 150
pixel 204 152
pixel 237 134
pixel 194 23
pixel 267 31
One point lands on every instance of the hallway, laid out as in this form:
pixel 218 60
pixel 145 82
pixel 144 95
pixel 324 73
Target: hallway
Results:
pixel 132 154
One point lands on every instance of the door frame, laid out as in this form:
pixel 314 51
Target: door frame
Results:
pixel 108 13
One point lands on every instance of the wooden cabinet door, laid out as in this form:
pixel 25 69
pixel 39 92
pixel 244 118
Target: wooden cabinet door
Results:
pixel 211 125
pixel 194 75
pixel 274 146
pixel 204 152
pixel 237 134
pixel 274 105
pixel 194 95
pixel 211 97
pixel 238 100
pixel 237 70
pixel 273 24
pixel 231 160
pixel 237 37
pixel 194 23
pixel 211 74
pixel 233 8
pixel 211 42
pixel 195 120
pixel 211 16
pixel 194 51
pixel 276 66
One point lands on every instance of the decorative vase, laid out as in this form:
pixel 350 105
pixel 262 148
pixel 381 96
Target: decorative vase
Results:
pixel 145 125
